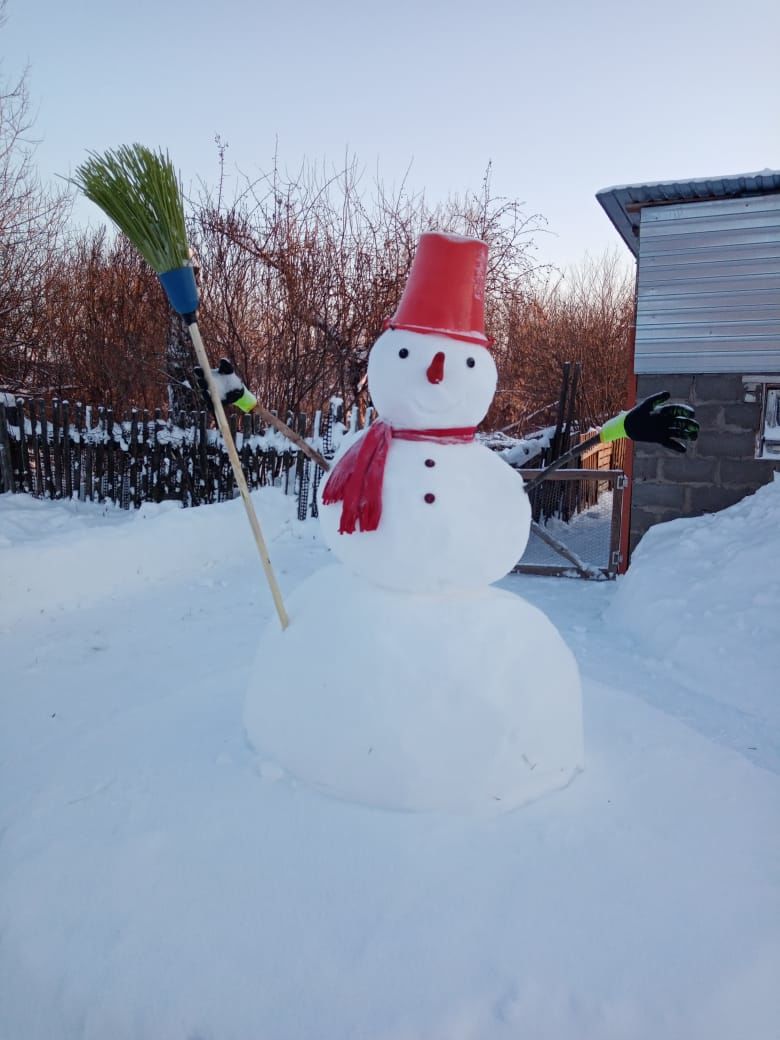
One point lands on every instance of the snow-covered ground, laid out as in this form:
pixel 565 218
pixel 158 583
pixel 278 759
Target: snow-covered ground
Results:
pixel 157 882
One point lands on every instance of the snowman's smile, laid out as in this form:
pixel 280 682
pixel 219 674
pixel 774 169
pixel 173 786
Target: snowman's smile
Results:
pixel 437 403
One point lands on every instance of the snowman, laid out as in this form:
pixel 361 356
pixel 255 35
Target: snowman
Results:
pixel 417 504
pixel 406 679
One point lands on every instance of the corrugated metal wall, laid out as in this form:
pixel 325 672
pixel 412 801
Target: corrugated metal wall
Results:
pixel 709 287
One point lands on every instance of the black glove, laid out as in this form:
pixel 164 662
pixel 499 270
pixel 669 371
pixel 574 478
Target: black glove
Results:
pixel 669 425
pixel 230 386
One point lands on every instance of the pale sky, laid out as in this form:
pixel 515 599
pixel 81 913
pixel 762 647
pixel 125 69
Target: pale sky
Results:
pixel 564 97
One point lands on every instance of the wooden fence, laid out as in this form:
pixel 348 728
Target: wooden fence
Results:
pixel 64 451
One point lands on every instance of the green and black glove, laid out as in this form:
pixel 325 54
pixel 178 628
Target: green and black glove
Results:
pixel 230 385
pixel 670 425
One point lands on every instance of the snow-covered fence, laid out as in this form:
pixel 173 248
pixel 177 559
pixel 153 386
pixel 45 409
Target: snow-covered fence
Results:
pixel 63 451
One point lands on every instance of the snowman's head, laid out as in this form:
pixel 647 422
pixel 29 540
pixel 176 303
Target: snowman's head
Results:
pixel 420 381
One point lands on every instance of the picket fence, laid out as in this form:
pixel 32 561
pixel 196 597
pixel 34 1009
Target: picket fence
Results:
pixel 63 451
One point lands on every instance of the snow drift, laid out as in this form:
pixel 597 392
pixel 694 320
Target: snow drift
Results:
pixel 703 596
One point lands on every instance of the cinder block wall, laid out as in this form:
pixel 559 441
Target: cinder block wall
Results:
pixel 718 471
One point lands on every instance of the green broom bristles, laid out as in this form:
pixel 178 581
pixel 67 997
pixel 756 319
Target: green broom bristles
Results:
pixel 140 191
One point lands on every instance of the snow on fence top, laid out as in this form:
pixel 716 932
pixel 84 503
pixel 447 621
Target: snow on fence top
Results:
pixel 63 451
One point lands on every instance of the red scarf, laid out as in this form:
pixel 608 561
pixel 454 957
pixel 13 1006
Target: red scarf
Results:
pixel 357 478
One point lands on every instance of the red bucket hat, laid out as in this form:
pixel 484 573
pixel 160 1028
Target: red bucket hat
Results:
pixel 445 291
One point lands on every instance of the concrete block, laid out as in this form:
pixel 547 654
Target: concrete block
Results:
pixel 642 516
pixel 745 472
pixel 700 499
pixel 679 386
pixel 647 467
pixel 649 494
pixel 725 387
pixel 741 416
pixel 687 470
pixel 726 444
pixel 710 416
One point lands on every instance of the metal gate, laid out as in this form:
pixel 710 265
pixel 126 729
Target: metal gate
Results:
pixel 587 544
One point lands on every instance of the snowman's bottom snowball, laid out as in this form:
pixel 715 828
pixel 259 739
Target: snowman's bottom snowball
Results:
pixel 458 703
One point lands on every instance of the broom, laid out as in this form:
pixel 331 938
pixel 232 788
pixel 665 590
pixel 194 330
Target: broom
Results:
pixel 140 191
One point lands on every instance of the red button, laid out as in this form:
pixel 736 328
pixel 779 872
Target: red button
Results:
pixel 430 497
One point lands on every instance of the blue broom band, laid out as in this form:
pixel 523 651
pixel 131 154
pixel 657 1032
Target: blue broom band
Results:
pixel 182 291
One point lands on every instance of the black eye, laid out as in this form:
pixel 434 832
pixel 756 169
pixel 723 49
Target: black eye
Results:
pixel 403 352
pixel 470 362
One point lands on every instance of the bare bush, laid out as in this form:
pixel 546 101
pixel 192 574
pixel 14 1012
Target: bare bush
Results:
pixel 586 317
pixel 108 318
pixel 32 221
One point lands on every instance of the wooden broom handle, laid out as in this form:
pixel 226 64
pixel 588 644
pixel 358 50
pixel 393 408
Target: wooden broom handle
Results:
pixel 238 472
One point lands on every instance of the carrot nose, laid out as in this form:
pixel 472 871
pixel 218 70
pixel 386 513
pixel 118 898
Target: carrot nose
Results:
pixel 435 371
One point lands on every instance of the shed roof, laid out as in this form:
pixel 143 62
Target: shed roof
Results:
pixel 624 203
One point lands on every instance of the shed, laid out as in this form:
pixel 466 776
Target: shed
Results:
pixel 708 330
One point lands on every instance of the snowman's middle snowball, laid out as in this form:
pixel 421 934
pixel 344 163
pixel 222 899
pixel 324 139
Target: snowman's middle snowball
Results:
pixel 453 515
